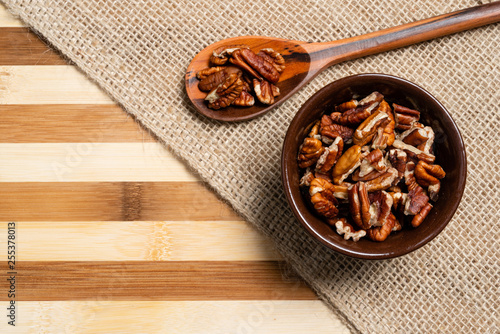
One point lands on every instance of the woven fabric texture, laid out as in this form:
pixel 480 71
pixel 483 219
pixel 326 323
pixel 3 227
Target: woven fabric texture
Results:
pixel 138 52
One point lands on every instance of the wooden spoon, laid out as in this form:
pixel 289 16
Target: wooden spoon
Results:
pixel 305 60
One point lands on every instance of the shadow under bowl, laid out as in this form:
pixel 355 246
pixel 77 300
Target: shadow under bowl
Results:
pixel 448 148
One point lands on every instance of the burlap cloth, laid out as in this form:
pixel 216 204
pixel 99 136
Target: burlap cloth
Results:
pixel 138 52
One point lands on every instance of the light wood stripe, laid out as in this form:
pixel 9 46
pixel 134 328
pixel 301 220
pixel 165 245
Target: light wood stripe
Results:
pixel 90 162
pixel 152 280
pixel 69 123
pixel 111 201
pixel 48 85
pixel 140 240
pixel 7 20
pixel 20 46
pixel 209 317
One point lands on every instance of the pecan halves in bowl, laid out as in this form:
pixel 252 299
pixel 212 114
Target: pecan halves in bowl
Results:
pixel 385 174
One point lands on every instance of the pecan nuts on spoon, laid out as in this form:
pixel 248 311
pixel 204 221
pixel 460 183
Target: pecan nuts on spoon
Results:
pixel 264 69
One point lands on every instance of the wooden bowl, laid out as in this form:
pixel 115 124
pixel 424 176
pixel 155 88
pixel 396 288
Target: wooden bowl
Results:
pixel 448 147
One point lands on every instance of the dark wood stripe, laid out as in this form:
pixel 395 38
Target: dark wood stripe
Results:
pixel 20 46
pixel 144 280
pixel 110 201
pixel 69 123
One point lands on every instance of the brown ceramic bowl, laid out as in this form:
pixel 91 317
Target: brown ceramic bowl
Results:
pixel 449 150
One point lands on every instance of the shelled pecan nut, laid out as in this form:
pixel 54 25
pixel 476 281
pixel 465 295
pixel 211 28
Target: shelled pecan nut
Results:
pixel 366 130
pixel 417 198
pixel 383 181
pixel 363 110
pixel 427 174
pixel 385 134
pixel 332 130
pixel 414 136
pixel 397 158
pixel 347 230
pixel 244 100
pixel 346 164
pixel 226 93
pixel 381 233
pixel 405 117
pixel 322 198
pixel 426 147
pixel 212 79
pixel 352 104
pixel 380 207
pixel 374 160
pixel 421 215
pixel 274 58
pixel 265 91
pixel 359 205
pixel 206 72
pixel 330 156
pixel 255 65
pixel 220 56
pixel 309 152
pixel 413 152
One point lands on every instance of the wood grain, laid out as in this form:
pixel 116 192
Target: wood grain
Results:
pixel 110 201
pixel 7 20
pixel 152 280
pixel 104 316
pixel 91 162
pixel 62 84
pixel 140 240
pixel 20 46
pixel 69 123
pixel 91 221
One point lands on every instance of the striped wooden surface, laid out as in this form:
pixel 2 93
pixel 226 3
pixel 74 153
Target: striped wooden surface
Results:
pixel 114 234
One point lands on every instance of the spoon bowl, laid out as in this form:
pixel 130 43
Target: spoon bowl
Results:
pixel 297 61
pixel 304 60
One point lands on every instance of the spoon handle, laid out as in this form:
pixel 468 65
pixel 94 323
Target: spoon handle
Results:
pixel 328 53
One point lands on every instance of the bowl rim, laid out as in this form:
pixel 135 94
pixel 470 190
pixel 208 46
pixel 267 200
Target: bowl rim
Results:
pixel 285 155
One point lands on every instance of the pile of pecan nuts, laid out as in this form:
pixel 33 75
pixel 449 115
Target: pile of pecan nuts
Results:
pixel 236 74
pixel 369 168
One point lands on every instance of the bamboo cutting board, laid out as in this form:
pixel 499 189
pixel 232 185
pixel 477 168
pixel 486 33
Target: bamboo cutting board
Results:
pixel 113 233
